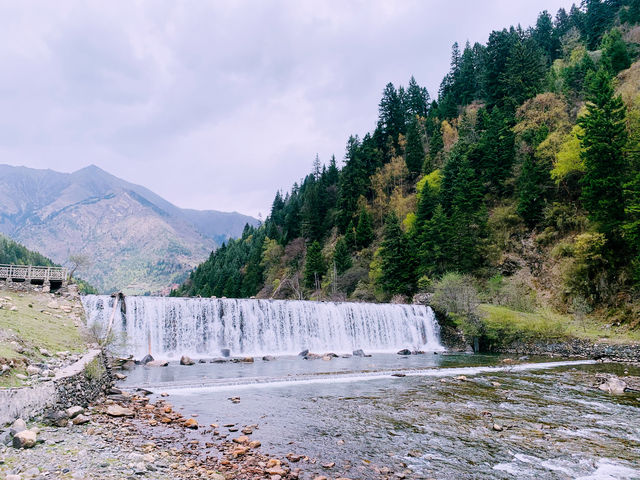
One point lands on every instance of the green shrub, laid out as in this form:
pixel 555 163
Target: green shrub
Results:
pixel 455 293
pixel 94 370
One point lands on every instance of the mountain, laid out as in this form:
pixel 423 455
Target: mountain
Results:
pixel 130 238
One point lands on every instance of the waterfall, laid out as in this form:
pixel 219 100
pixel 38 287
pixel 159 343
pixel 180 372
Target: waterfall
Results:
pixel 201 327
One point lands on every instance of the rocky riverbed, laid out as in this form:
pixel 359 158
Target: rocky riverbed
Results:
pixel 133 438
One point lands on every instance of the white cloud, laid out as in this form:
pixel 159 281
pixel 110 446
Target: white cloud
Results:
pixel 217 105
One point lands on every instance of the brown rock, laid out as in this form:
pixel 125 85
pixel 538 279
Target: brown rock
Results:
pixel 191 423
pixel 255 444
pixel 238 451
pixel 241 439
pixel 118 411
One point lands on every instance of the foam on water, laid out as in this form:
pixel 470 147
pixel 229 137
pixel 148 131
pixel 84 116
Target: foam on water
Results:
pixel 187 388
pixel 201 327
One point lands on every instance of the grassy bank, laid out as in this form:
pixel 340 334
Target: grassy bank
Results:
pixel 503 325
pixel 31 321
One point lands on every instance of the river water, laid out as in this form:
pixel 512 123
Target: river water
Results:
pixel 434 422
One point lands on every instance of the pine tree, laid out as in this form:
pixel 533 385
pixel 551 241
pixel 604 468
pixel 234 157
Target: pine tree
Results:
pixel 397 259
pixel 364 230
pixel 415 151
pixel 342 257
pixel 391 115
pixel 603 143
pixel 314 268
pixel 417 100
pixel 615 55
pixel 426 206
pixel 532 182
pixel 350 236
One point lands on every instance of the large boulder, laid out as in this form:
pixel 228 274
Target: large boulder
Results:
pixel 24 439
pixel 118 411
pixel 304 353
pixel 58 418
pixel 614 386
pixel 157 363
pixel 184 360
pixel 404 351
pixel 18 426
pixel 73 412
pixel 146 359
pixel 358 353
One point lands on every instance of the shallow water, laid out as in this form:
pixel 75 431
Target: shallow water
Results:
pixel 427 424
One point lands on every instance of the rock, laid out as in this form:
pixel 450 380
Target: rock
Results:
pixel 118 411
pixel 44 352
pixel 273 462
pixel 18 426
pixel 225 352
pixel 303 353
pixel 191 423
pixel 497 427
pixel 156 363
pixel 147 359
pixel 202 360
pixel 327 358
pixel 73 412
pixel 119 376
pixel 276 471
pixel 255 444
pixel 461 377
pixel 293 458
pixel 398 375
pixel 268 358
pixel 234 399
pixel 329 465
pixel 239 451
pixel 20 376
pixel 242 439
pixel 24 439
pixel 184 360
pixel 57 418
pixel 404 351
pixel 247 360
pixel 33 370
pixel 614 386
pixel 81 420
pixel 358 353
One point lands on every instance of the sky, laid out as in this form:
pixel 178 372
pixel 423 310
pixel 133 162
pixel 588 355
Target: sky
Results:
pixel 217 105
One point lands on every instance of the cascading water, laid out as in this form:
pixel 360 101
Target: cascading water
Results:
pixel 201 327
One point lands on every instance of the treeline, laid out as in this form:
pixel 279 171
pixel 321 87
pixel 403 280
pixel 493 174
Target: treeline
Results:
pixel 527 160
pixel 12 253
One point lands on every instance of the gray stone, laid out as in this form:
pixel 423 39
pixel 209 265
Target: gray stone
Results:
pixel 57 418
pixel 24 439
pixel 81 420
pixel 184 360
pixel 18 426
pixel 358 353
pixel 73 412
pixel 614 386
pixel 33 370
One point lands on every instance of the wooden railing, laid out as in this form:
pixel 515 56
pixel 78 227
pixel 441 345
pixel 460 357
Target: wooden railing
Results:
pixel 33 272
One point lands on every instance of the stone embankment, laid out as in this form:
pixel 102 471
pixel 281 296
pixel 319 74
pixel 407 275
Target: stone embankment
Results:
pixel 577 348
pixel 77 384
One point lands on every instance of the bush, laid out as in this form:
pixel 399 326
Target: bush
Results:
pixel 94 370
pixel 455 293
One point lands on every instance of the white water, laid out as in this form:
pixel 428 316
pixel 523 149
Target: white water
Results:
pixel 201 327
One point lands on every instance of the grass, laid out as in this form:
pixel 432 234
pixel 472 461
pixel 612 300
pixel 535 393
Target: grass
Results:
pixel 504 325
pixel 33 329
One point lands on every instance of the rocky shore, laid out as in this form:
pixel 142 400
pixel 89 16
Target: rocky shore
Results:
pixel 127 436
pixel 577 348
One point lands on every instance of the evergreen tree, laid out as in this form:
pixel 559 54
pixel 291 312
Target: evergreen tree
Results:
pixel 615 56
pixel 341 256
pixel 415 151
pixel 603 142
pixel 314 267
pixel 391 118
pixel 364 230
pixel 532 183
pixel 397 259
pixel 426 206
pixel 544 36
pixel 350 236
pixel 354 182
pixel 417 100
pixel 433 239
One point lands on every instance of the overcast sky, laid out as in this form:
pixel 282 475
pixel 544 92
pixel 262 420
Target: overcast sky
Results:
pixel 216 105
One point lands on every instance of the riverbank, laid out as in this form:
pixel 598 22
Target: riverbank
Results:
pixel 133 437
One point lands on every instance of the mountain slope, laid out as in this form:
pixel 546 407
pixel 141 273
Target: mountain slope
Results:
pixel 134 240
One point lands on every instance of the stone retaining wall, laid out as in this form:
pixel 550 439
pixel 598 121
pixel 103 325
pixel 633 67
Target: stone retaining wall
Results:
pixel 79 384
pixel 576 348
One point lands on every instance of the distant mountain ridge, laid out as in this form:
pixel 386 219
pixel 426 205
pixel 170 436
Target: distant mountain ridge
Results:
pixel 135 240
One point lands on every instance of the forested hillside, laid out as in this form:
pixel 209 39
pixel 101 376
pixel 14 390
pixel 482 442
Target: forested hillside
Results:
pixel 522 177
pixel 12 253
